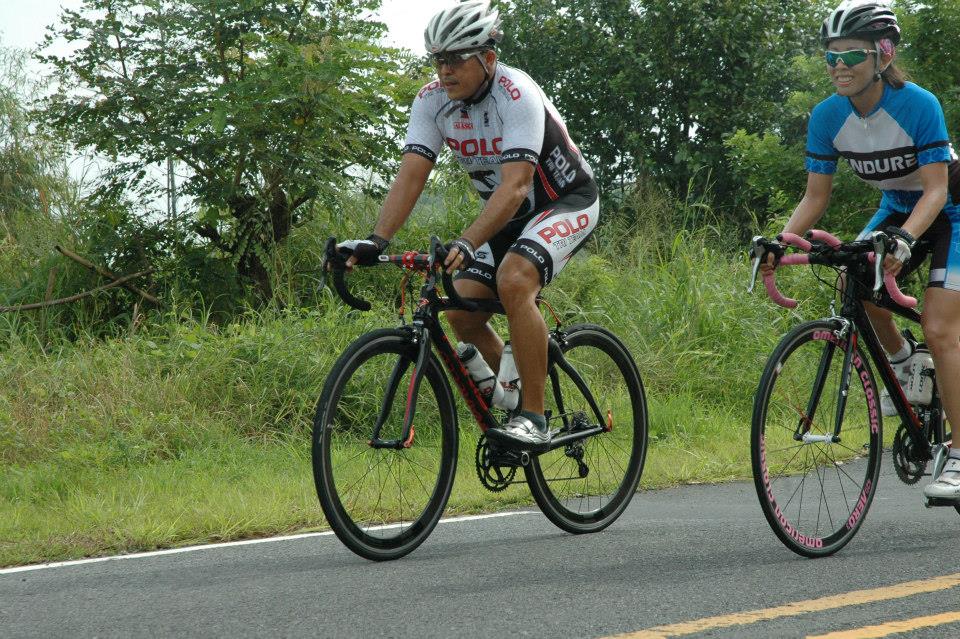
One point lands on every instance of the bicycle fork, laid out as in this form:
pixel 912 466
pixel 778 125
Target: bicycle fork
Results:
pixel 413 388
pixel 844 337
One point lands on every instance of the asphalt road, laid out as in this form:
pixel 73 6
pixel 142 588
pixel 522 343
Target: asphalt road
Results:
pixel 678 555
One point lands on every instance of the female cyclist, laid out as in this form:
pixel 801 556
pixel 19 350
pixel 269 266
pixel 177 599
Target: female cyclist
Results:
pixel 894 136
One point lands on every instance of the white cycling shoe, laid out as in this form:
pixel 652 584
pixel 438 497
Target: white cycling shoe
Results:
pixel 521 432
pixel 947 484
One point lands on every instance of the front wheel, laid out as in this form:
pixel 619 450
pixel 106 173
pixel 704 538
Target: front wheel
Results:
pixel 383 502
pixel 815 489
pixel 583 487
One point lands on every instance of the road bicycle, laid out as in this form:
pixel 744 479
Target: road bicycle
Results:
pixel 386 436
pixel 817 433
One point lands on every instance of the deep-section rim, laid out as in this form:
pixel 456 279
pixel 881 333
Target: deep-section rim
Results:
pixel 803 545
pixel 374 548
pixel 607 514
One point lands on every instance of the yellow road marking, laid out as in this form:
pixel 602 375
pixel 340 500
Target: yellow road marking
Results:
pixel 893 627
pixel 855 598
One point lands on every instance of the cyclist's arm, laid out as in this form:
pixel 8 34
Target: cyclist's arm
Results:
pixel 403 195
pixel 810 209
pixel 517 180
pixel 934 180
pixel 813 205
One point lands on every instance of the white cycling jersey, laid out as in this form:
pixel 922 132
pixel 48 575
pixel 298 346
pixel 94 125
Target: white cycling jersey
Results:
pixel 512 121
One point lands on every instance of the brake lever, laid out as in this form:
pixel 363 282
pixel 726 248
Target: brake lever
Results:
pixel 880 251
pixel 756 250
pixel 325 262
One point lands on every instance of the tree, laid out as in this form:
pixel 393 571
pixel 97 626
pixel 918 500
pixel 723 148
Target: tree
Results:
pixel 931 30
pixel 653 87
pixel 33 170
pixel 268 103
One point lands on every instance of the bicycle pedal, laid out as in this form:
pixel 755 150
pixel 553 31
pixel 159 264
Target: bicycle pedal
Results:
pixel 935 502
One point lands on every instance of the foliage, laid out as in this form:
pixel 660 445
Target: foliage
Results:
pixel 652 87
pixel 267 103
pixel 931 27
pixel 33 169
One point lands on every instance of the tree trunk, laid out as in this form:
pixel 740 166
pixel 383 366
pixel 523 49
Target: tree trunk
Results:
pixel 253 268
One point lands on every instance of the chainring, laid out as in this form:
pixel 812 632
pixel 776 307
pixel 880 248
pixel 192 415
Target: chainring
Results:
pixel 492 476
pixel 909 469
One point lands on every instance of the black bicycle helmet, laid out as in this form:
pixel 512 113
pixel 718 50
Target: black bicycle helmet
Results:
pixel 861 20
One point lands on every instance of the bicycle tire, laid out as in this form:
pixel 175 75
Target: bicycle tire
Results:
pixel 360 488
pixel 614 459
pixel 782 464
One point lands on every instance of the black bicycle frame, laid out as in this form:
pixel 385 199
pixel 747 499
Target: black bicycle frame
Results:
pixel 854 294
pixel 426 330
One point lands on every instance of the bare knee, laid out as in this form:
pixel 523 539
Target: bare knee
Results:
pixel 940 334
pixel 519 284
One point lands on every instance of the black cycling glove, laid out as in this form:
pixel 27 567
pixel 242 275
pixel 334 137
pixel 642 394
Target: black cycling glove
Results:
pixel 366 251
pixel 467 250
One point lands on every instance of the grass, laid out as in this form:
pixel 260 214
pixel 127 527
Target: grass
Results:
pixel 190 431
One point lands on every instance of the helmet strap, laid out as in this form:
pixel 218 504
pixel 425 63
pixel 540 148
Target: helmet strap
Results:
pixel 487 79
pixel 877 73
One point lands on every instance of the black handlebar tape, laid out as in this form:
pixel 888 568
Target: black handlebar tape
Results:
pixel 340 284
pixel 337 264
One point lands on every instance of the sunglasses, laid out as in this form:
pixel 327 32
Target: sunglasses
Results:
pixel 453 59
pixel 850 58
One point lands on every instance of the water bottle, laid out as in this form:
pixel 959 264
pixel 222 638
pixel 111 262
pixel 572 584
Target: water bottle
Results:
pixel 919 388
pixel 481 373
pixel 509 379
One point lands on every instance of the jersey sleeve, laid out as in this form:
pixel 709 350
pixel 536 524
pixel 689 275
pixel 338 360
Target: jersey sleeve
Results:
pixel 524 120
pixel 821 154
pixel 930 138
pixel 423 135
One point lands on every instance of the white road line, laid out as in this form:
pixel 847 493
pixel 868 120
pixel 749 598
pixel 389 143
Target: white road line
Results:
pixel 230 544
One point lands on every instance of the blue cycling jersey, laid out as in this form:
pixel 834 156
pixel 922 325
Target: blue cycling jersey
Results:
pixel 906 130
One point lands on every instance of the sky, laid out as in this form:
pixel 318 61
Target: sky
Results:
pixel 23 23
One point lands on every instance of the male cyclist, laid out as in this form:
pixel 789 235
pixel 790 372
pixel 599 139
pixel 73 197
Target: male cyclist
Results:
pixel 541 201
pixel 894 136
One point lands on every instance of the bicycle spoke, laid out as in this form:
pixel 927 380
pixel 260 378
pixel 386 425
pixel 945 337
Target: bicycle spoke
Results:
pixel 805 495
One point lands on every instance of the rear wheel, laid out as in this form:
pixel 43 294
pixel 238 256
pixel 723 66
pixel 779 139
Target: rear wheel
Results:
pixel 383 502
pixel 815 492
pixel 583 487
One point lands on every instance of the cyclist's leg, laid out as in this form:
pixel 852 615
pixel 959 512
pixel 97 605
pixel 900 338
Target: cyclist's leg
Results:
pixel 941 329
pixel 546 245
pixel 474 328
pixel 479 281
pixel 519 282
pixel 941 310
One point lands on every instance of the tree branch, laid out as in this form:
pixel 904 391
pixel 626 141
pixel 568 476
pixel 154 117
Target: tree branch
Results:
pixel 79 296
pixel 108 274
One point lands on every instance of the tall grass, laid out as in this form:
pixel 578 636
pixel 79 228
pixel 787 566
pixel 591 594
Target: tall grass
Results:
pixel 189 430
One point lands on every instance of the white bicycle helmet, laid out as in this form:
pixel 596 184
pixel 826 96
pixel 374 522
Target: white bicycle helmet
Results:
pixel 862 20
pixel 468 25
